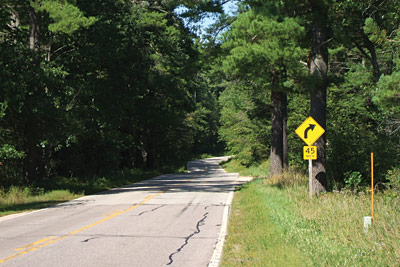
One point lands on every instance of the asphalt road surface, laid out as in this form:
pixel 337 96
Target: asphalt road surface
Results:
pixel 170 220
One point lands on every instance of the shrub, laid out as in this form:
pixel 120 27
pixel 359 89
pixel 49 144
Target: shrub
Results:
pixel 352 180
pixel 393 182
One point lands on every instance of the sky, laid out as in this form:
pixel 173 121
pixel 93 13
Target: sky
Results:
pixel 229 8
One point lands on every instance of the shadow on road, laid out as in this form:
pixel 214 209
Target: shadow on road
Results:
pixel 204 176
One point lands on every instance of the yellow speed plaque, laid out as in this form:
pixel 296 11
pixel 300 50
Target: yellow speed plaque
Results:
pixel 310 152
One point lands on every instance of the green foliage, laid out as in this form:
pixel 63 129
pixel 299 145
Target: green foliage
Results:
pixel 263 55
pixel 393 183
pixel 9 152
pixel 363 113
pixel 203 123
pixel 376 34
pixel 352 180
pixel 263 51
pixel 387 94
pixel 67 18
pixel 195 10
pixel 125 84
pixel 298 110
pixel 244 125
pixel 111 86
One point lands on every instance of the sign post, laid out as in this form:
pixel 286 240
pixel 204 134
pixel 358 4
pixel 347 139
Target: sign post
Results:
pixel 309 131
pixel 310 185
pixel 310 154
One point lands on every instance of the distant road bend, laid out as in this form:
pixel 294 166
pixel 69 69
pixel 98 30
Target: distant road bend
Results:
pixel 170 220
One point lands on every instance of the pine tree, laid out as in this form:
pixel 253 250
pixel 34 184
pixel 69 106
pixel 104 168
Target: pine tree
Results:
pixel 265 54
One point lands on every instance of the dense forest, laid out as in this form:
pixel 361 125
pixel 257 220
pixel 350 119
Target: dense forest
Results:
pixel 90 87
pixel 334 60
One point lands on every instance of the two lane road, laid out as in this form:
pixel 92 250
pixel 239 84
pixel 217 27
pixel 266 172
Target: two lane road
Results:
pixel 168 220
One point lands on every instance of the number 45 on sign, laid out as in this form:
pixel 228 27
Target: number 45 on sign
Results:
pixel 310 152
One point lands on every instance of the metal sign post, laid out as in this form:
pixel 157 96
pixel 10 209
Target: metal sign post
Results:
pixel 310 186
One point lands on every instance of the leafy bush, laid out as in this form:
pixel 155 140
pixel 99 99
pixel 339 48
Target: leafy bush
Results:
pixel 352 179
pixel 393 183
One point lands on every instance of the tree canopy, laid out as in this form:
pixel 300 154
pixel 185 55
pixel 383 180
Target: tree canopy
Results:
pixel 91 87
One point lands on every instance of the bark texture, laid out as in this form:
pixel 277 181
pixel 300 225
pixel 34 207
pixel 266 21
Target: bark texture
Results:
pixel 32 160
pixel 318 69
pixel 276 159
pixel 34 30
pixel 285 134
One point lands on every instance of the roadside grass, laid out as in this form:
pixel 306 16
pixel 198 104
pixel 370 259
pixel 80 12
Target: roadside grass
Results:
pixel 254 239
pixel 256 171
pixel 325 231
pixel 95 184
pixel 61 189
pixel 18 199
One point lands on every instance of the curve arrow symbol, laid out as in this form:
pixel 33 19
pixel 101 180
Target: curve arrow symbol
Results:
pixel 311 127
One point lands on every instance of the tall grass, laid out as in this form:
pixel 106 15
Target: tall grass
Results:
pixel 18 199
pixel 327 230
pixel 61 189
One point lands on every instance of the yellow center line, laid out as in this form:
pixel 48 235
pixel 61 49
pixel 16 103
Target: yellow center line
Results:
pixel 50 240
pixel 35 243
pixel 146 197
pixel 112 213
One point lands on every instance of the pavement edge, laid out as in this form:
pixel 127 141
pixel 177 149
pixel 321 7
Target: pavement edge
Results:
pixel 217 254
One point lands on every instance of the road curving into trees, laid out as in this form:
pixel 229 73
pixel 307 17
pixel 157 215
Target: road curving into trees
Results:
pixel 168 220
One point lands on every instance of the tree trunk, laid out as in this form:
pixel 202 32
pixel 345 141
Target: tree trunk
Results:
pixel 32 159
pixel 34 30
pixel 276 159
pixel 318 69
pixel 374 59
pixel 285 134
pixel 31 163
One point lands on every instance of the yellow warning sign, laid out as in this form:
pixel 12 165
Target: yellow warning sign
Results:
pixel 309 131
pixel 310 152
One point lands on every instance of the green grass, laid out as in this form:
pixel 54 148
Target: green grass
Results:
pixel 18 199
pixel 254 239
pixel 256 171
pixel 61 189
pixel 325 231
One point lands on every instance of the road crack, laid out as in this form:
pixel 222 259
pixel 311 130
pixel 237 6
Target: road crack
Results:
pixel 199 223
pixel 87 240
pixel 147 211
